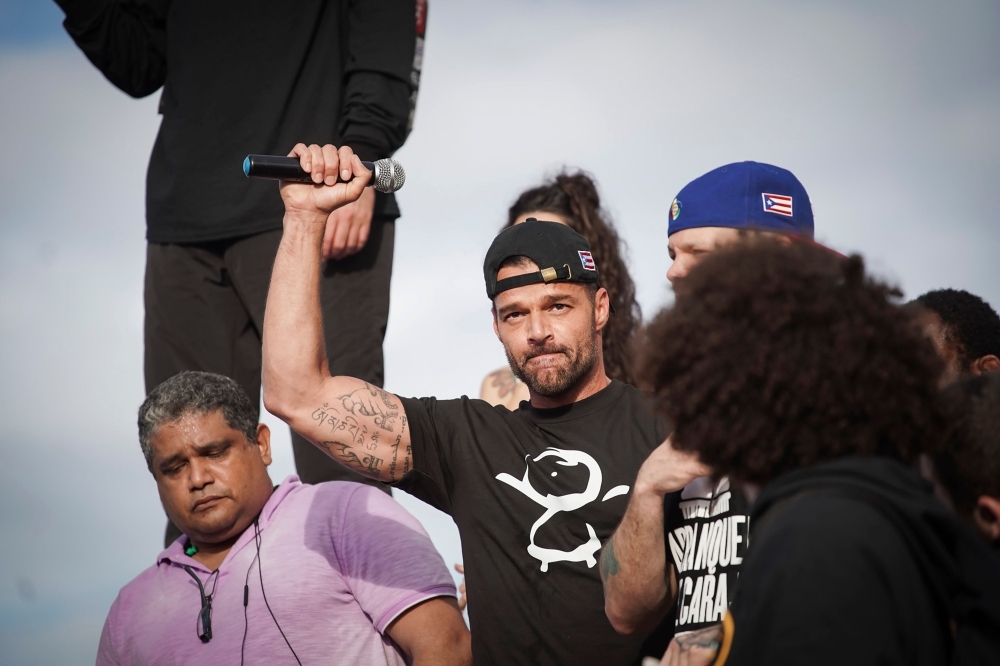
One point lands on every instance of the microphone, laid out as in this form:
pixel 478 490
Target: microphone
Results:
pixel 387 175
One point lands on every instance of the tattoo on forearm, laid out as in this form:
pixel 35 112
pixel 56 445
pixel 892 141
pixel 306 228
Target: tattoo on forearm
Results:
pixel 374 403
pixel 365 463
pixel 609 563
pixel 358 422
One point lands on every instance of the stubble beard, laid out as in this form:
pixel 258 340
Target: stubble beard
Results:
pixel 554 382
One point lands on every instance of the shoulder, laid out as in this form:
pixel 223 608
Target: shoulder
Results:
pixel 829 520
pixel 502 388
pixel 464 410
pixel 137 588
pixel 359 507
pixel 832 544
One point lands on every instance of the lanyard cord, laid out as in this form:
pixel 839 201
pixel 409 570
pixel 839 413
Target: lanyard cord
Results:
pixel 246 598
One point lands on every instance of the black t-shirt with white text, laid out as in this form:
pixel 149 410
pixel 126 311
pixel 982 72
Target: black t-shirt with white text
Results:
pixel 535 493
pixel 707 527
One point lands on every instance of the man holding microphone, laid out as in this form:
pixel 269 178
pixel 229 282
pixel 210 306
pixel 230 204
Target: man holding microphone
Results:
pixel 535 492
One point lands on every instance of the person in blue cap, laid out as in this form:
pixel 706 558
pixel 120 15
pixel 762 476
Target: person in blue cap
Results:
pixel 734 200
pixel 684 553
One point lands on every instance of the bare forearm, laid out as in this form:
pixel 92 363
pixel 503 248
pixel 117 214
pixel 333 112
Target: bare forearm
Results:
pixel 358 424
pixel 294 355
pixel 634 567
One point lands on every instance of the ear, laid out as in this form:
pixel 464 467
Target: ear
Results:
pixel 988 363
pixel 602 308
pixel 987 517
pixel 496 326
pixel 264 443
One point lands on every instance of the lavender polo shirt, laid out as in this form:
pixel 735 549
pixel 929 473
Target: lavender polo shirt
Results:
pixel 340 562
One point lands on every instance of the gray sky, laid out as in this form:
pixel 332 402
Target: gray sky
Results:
pixel 888 115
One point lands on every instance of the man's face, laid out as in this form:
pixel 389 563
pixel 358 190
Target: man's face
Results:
pixel 212 481
pixel 934 329
pixel 549 331
pixel 688 246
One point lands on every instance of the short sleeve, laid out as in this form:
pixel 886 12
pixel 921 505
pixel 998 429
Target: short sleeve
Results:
pixel 107 652
pixel 816 588
pixel 436 426
pixel 386 557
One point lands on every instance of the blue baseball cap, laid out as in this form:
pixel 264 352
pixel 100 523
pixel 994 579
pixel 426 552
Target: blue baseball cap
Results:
pixel 744 195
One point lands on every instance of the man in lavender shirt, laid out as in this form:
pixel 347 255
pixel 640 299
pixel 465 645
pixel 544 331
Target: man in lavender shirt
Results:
pixel 293 574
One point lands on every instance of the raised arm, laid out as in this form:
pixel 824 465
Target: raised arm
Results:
pixel 639 586
pixel 356 423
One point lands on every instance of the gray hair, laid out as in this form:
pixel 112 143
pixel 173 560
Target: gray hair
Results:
pixel 192 392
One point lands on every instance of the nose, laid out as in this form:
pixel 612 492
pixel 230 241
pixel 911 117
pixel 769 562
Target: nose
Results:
pixel 538 328
pixel 676 271
pixel 199 474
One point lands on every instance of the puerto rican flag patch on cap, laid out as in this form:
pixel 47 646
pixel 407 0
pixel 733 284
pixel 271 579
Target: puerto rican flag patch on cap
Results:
pixel 777 203
pixel 587 260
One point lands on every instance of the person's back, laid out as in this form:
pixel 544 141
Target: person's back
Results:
pixel 790 370
pixel 828 560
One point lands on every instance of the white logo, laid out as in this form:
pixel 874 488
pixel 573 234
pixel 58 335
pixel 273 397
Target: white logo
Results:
pixel 555 503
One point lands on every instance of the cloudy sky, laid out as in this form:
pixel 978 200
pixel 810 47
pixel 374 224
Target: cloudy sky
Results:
pixel 888 115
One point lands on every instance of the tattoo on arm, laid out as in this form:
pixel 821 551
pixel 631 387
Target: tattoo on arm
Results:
pixel 360 422
pixel 366 463
pixel 702 639
pixel 609 563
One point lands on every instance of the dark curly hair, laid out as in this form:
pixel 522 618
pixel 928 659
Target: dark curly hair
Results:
pixel 776 357
pixel 574 196
pixel 969 464
pixel 969 322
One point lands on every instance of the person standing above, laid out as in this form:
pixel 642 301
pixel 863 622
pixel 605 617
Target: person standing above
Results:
pixel 965 331
pixel 791 371
pixel 292 574
pixel 533 492
pixel 662 553
pixel 572 199
pixel 252 77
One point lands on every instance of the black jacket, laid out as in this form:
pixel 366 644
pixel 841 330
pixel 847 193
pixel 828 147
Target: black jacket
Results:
pixel 854 561
pixel 252 76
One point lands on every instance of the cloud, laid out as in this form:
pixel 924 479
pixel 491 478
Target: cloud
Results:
pixel 887 114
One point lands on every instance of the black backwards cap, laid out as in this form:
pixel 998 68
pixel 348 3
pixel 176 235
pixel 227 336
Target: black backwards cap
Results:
pixel 562 255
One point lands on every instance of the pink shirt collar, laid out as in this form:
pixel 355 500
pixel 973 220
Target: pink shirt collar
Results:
pixel 174 553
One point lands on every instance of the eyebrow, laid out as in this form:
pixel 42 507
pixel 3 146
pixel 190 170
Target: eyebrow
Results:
pixel 548 299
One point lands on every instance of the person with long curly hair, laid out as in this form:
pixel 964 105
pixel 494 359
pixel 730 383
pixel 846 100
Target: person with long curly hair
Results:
pixel 792 371
pixel 572 199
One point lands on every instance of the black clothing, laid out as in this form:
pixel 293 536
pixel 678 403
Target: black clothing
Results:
pixel 535 493
pixel 251 76
pixel 254 76
pixel 706 529
pixel 855 562
pixel 205 311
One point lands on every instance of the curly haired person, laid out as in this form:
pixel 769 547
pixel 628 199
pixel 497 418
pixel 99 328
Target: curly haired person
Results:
pixel 793 372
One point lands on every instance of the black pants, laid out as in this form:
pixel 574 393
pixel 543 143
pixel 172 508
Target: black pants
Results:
pixel 205 311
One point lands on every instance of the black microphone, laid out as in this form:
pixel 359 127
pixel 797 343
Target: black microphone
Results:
pixel 387 175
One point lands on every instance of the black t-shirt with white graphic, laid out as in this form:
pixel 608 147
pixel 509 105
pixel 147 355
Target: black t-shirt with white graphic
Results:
pixel 535 493
pixel 706 531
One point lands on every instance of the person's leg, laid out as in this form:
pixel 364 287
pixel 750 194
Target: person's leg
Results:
pixel 194 320
pixel 355 302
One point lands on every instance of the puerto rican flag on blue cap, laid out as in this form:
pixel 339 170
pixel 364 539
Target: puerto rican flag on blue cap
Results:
pixel 744 195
